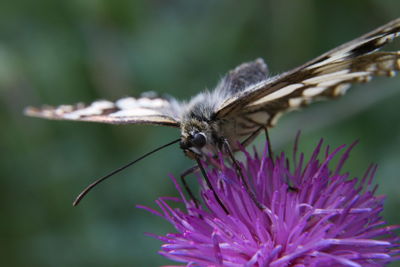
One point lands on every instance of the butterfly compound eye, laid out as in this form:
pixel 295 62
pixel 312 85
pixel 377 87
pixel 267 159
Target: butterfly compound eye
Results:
pixel 199 140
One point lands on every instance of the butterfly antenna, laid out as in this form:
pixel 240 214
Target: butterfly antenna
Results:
pixel 98 181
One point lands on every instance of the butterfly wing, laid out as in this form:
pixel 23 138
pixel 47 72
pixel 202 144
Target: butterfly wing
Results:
pixel 329 75
pixel 129 110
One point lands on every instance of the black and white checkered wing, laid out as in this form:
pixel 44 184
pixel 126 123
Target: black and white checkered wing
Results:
pixel 129 110
pixel 327 76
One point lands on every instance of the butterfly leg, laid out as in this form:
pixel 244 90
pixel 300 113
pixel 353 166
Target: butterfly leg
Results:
pixel 203 171
pixel 186 186
pixel 241 176
pixel 270 153
pixel 254 135
pixel 251 137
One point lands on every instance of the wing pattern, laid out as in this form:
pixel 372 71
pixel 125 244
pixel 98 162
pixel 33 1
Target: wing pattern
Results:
pixel 127 110
pixel 327 76
pixel 248 93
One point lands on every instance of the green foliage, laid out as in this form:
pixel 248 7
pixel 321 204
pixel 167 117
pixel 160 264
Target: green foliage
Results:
pixel 55 52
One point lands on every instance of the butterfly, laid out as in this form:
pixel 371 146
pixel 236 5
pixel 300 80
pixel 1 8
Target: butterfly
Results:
pixel 247 99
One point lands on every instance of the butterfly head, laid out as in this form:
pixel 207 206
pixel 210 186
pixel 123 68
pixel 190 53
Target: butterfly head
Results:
pixel 197 138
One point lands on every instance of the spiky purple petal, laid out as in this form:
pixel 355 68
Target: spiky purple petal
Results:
pixel 327 219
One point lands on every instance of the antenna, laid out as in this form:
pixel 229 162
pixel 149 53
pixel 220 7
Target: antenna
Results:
pixel 98 181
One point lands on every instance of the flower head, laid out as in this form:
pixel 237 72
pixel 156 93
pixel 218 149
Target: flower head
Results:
pixel 313 216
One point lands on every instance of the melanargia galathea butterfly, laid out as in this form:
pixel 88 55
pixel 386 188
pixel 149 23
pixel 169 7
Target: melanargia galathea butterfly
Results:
pixel 247 98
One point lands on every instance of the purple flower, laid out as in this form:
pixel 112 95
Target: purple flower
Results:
pixel 322 219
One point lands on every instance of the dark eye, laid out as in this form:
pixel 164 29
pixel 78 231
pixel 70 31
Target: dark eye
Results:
pixel 199 140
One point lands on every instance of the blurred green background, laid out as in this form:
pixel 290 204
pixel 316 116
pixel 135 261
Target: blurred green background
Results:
pixel 57 52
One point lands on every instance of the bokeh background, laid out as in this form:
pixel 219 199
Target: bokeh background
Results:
pixel 56 52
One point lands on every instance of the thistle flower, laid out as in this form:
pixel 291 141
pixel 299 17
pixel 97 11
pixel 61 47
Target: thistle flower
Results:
pixel 322 219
